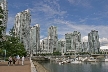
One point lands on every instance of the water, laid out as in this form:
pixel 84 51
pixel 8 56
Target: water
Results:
pixel 85 67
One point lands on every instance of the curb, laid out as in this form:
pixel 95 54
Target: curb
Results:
pixel 33 69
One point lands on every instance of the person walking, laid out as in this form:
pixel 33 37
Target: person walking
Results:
pixel 18 58
pixel 9 60
pixel 22 60
pixel 13 60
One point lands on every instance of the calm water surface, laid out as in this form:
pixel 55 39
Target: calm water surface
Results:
pixel 84 67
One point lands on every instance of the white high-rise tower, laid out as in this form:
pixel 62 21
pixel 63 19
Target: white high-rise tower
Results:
pixel 93 40
pixel 3 4
pixel 22 27
pixel 35 39
pixel 52 39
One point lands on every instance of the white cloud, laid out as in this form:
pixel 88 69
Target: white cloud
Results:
pixel 103 41
pixel 84 3
pixel 18 5
pixel 41 40
pixel 50 9
pixel 7 33
pixel 62 39
pixel 42 37
pixel 83 20
pixel 70 24
pixel 104 47
pixel 11 20
pixel 10 24
pixel 85 39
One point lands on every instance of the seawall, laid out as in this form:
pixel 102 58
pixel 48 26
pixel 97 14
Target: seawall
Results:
pixel 39 67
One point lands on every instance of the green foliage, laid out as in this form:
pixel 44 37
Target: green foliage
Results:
pixel 83 53
pixel 44 54
pixel 13 46
pixel 57 53
pixel 11 32
pixel 66 54
pixel 6 59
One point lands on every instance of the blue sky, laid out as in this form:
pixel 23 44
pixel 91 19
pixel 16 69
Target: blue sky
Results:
pixel 67 15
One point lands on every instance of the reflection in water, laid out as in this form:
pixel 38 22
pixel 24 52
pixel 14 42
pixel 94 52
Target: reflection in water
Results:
pixel 85 67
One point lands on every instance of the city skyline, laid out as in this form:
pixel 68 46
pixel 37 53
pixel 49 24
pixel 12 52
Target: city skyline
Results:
pixel 67 15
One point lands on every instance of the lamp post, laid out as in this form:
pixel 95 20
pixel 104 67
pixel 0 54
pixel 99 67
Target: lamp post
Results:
pixel 4 55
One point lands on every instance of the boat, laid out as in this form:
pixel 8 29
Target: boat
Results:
pixel 84 59
pixel 60 63
pixel 106 59
pixel 76 61
pixel 92 59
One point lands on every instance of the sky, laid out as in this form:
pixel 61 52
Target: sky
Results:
pixel 66 15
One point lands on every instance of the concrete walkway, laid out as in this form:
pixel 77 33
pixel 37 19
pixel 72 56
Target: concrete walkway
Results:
pixel 33 69
pixel 17 68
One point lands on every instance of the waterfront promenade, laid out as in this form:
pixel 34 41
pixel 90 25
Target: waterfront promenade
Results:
pixel 16 68
pixel 29 66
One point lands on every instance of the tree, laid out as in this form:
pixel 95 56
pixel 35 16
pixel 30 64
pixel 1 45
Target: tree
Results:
pixel 13 46
pixel 57 53
pixel 11 32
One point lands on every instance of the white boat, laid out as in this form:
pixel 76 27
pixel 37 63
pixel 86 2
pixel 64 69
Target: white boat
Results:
pixel 76 61
pixel 60 63
pixel 106 59
pixel 92 59
pixel 68 61
pixel 84 59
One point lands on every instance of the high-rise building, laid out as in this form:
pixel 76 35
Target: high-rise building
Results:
pixel 76 40
pixel 73 42
pixel 44 45
pixel 22 27
pixel 35 39
pixel 3 4
pixel 85 46
pixel 52 39
pixel 61 46
pixel 93 40
pixel 68 38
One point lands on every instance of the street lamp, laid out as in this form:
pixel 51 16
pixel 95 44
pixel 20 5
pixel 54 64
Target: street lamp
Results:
pixel 5 55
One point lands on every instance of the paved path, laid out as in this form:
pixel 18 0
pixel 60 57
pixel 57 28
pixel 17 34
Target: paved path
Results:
pixel 17 68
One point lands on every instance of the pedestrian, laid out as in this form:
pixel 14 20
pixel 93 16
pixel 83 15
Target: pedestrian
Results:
pixel 18 58
pixel 9 60
pixel 14 60
pixel 22 60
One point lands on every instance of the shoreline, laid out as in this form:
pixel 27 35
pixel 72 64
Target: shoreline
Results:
pixel 39 67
